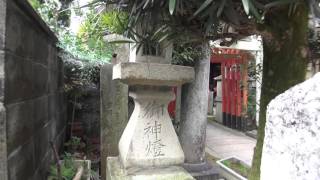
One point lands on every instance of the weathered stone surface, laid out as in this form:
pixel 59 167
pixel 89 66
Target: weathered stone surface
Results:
pixel 21 163
pixel 41 142
pixel 43 167
pixel 3 15
pixel 18 79
pixel 53 59
pixel 178 106
pixel 292 134
pixel 152 74
pixel 122 47
pixel 52 80
pixel 60 74
pixel 116 38
pixel 18 30
pixel 114 114
pixel 115 172
pixel 149 138
pixel 3 143
pixel 21 27
pixel 27 124
pixel 52 104
pixel 3 132
pixel 2 74
pixel 19 124
pixel 40 112
pixel 40 80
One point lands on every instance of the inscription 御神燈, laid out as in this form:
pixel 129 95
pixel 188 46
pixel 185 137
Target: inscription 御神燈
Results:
pixel 154 144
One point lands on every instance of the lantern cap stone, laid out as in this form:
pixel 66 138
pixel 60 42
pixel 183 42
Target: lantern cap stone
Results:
pixel 152 74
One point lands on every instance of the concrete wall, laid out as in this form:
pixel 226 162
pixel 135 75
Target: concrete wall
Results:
pixel 31 80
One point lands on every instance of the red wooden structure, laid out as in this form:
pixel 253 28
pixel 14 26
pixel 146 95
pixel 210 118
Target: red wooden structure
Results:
pixel 172 105
pixel 234 85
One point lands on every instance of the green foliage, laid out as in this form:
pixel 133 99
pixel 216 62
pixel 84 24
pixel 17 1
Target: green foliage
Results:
pixel 185 54
pixel 74 141
pixel 87 49
pixel 172 5
pixel 115 21
pixel 251 111
pixel 79 74
pixel 82 46
pixel 48 10
pixel 68 169
pixel 34 3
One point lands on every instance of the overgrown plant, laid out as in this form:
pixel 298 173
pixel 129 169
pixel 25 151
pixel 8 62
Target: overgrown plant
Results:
pixel 68 169
pixel 74 144
pixel 57 18
pixel 185 54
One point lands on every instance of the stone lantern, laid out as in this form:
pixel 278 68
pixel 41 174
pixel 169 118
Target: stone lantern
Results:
pixel 149 147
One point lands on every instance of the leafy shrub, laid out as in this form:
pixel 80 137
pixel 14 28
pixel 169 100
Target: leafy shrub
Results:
pixel 185 54
pixel 68 169
pixel 87 49
pixel 79 73
pixel 81 46
pixel 115 21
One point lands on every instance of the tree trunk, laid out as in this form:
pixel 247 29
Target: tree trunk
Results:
pixel 194 107
pixel 284 64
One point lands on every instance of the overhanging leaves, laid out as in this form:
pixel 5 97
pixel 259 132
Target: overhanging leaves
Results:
pixel 246 6
pixel 172 6
pixel 202 7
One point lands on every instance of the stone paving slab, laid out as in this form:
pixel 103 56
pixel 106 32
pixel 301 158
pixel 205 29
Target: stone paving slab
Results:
pixel 223 142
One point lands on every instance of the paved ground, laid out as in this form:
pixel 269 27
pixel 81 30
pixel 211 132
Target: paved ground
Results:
pixel 223 142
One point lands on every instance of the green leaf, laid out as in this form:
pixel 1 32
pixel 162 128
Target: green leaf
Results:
pixel 202 7
pixel 122 42
pixel 172 6
pixel 246 5
pixel 255 12
pixel 146 4
pixel 164 38
pixel 160 31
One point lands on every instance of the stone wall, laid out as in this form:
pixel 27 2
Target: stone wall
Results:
pixel 31 81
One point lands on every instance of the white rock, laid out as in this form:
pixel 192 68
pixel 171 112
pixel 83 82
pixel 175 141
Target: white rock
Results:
pixel 291 147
